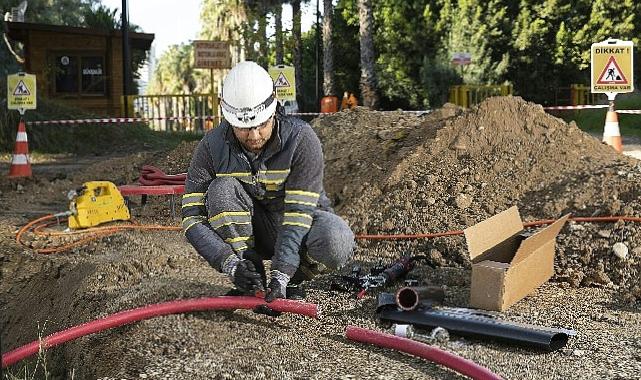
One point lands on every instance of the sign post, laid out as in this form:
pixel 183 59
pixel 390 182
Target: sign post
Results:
pixel 21 96
pixel 612 71
pixel 212 55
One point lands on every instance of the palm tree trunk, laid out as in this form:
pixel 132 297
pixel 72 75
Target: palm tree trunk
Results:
pixel 328 50
pixel 278 21
pixel 298 49
pixel 263 59
pixel 368 83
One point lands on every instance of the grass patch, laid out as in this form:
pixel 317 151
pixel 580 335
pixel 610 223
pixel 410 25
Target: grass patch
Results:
pixel 593 120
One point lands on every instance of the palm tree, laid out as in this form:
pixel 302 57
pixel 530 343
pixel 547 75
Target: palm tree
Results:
pixel 369 86
pixel 225 21
pixel 298 50
pixel 328 53
pixel 278 25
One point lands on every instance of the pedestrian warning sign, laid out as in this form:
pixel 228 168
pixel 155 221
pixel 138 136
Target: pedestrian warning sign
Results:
pixel 21 92
pixel 612 66
pixel 284 81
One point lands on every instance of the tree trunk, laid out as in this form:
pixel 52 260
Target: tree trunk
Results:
pixel 369 87
pixel 328 50
pixel 278 21
pixel 263 59
pixel 298 51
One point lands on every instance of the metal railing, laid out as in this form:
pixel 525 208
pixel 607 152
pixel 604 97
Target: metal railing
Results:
pixel 468 95
pixel 177 113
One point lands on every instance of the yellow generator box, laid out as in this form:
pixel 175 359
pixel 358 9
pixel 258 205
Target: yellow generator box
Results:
pixel 96 202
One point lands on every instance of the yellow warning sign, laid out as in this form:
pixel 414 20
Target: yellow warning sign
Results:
pixel 21 91
pixel 284 81
pixel 612 66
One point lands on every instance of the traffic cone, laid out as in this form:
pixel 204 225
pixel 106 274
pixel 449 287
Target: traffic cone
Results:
pixel 20 165
pixel 611 132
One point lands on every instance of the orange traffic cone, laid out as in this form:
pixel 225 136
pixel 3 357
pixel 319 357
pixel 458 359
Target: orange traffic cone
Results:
pixel 611 132
pixel 20 165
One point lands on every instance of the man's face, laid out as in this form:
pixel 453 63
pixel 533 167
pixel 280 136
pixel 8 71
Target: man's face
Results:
pixel 254 139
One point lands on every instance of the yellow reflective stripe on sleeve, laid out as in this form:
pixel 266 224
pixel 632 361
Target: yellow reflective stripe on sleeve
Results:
pixel 306 198
pixel 193 204
pixel 301 192
pixel 238 174
pixel 193 195
pixel 307 226
pixel 302 203
pixel 237 239
pixel 193 199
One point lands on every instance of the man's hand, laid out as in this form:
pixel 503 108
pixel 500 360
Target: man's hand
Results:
pixel 243 274
pixel 277 286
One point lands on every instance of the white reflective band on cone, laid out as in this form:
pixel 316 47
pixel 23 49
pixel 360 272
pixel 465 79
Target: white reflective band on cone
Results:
pixel 21 136
pixel 611 128
pixel 20 159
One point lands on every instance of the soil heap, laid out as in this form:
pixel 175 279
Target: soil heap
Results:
pixel 402 173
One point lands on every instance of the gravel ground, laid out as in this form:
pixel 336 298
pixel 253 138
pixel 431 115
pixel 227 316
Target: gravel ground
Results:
pixel 388 173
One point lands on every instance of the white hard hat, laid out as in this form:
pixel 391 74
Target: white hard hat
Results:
pixel 248 95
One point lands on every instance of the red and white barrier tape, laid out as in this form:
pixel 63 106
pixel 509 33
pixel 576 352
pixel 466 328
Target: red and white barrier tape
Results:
pixel 330 113
pixel 581 107
pixel 172 118
pixel 632 112
pixel 119 120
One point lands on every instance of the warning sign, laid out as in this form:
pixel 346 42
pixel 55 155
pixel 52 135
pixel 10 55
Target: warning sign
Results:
pixel 21 92
pixel 612 66
pixel 284 81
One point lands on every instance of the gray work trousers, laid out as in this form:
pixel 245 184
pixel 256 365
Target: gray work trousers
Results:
pixel 328 245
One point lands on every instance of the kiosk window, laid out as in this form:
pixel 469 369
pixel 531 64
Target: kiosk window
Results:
pixel 93 75
pixel 67 74
pixel 80 75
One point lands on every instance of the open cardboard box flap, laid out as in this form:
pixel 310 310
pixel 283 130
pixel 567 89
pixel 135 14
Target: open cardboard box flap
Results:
pixel 536 241
pixel 491 232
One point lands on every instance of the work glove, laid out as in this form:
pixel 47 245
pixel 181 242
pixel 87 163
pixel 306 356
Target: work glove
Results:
pixel 277 287
pixel 243 274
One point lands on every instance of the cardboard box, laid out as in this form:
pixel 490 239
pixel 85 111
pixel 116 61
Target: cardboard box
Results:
pixel 507 264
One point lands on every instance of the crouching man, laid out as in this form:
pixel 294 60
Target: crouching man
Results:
pixel 254 192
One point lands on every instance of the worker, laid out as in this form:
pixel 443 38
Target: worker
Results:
pixel 254 191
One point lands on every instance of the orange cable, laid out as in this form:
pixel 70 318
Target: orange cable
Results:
pixel 98 232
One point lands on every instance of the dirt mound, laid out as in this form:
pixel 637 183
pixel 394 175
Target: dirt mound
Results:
pixel 400 173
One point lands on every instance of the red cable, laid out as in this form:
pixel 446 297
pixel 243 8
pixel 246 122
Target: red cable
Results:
pixel 592 219
pixel 146 312
pixel 425 351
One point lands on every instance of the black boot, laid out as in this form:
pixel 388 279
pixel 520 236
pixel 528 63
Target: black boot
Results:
pixel 295 292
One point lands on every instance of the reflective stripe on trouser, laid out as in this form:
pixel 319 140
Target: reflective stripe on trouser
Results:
pixel 328 245
pixel 229 210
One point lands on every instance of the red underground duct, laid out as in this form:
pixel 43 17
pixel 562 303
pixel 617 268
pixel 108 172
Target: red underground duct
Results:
pixel 425 351
pixel 150 311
